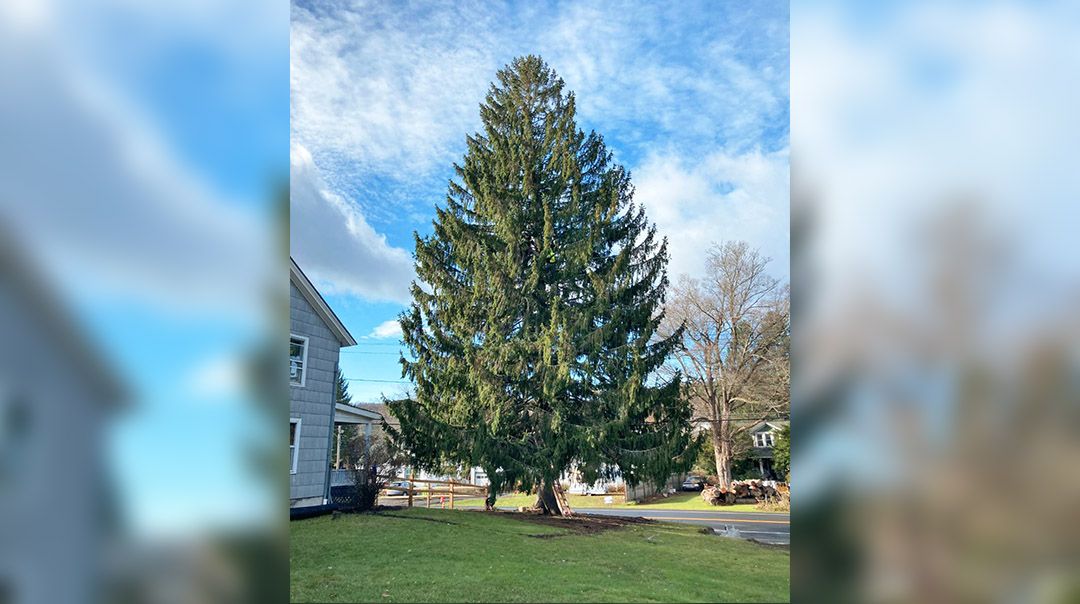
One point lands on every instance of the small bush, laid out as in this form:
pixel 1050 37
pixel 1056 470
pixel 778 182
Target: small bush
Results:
pixel 379 458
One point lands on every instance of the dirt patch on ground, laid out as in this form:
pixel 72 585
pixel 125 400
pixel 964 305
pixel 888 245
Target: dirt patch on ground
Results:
pixel 579 524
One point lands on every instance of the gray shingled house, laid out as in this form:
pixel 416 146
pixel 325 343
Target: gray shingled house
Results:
pixel 57 398
pixel 316 336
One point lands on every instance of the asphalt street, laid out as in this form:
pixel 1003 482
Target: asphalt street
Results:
pixel 769 528
pixel 765 527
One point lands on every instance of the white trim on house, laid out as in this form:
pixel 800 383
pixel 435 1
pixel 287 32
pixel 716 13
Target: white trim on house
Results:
pixel 302 283
pixel 295 445
pixel 303 361
pixel 775 426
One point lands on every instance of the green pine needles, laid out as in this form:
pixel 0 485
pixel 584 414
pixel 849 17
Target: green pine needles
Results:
pixel 534 332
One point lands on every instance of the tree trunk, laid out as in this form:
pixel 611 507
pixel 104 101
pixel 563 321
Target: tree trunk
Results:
pixel 489 502
pixel 551 500
pixel 722 451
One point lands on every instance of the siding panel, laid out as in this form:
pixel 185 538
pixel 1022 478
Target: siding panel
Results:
pixel 314 402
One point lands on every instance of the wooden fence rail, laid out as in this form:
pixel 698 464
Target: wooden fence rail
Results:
pixel 429 491
pixel 430 481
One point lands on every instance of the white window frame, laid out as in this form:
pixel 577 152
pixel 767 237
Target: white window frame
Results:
pixel 764 440
pixel 303 361
pixel 295 446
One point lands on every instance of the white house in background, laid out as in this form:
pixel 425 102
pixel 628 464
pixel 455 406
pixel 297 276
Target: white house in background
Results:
pixel 316 336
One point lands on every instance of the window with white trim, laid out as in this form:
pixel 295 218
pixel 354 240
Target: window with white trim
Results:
pixel 297 360
pixel 763 439
pixel 294 443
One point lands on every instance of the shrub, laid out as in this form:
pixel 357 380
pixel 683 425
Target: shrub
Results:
pixel 744 468
pixel 378 459
pixel 782 454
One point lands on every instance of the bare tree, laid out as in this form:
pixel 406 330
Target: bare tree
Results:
pixel 735 346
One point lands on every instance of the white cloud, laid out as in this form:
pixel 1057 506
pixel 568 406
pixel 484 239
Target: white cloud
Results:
pixel 386 90
pixel 721 197
pixel 217 378
pixel 111 208
pixel 386 329
pixel 334 244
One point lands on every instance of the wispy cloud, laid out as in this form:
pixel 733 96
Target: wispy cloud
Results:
pixel 385 89
pixel 383 96
pixel 386 329
pixel 334 243
pixel 692 77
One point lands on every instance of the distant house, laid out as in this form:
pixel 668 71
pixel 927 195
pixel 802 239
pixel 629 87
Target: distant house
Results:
pixel 475 475
pixel 763 437
pixel 316 336
pixel 385 419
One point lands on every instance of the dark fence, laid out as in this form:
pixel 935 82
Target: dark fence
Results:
pixel 644 491
pixel 349 491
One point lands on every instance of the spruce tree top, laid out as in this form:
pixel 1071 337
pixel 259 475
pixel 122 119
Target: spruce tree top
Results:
pixel 532 332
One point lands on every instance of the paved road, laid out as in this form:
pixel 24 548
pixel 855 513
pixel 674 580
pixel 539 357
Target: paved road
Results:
pixel 764 527
pixel 768 528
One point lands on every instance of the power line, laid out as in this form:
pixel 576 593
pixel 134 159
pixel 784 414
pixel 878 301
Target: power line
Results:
pixel 379 381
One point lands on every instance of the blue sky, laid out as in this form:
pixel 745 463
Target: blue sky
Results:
pixel 693 100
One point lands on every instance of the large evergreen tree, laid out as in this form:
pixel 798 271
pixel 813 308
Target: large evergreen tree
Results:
pixel 533 335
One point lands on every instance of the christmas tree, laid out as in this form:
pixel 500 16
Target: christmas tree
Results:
pixel 532 334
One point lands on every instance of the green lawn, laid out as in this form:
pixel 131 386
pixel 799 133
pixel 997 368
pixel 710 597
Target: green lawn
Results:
pixel 422 555
pixel 678 501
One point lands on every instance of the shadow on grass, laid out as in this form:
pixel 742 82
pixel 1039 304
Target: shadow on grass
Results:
pixel 435 520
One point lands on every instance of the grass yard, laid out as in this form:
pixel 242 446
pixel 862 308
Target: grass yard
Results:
pixel 421 555
pixel 678 501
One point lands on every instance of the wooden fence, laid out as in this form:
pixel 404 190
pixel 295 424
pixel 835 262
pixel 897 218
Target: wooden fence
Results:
pixel 453 488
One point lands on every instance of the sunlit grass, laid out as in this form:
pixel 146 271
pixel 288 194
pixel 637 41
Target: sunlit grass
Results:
pixel 422 555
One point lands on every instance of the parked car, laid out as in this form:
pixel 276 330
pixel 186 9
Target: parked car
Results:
pixel 587 489
pixel 693 483
pixel 395 489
